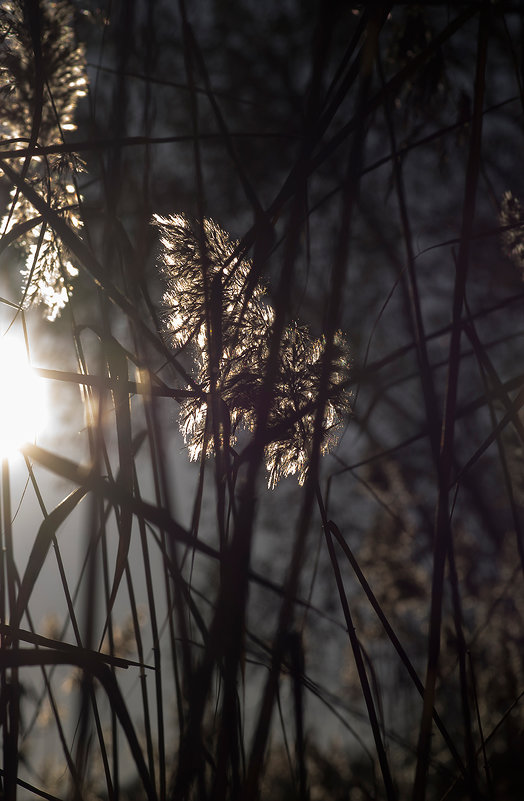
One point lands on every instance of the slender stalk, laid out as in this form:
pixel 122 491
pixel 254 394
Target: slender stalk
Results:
pixel 10 689
pixel 394 640
pixel 442 524
pixel 391 792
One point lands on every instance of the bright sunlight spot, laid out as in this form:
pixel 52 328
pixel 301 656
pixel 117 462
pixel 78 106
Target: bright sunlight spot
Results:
pixel 23 401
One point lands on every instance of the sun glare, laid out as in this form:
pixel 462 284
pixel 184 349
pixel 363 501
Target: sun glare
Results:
pixel 23 403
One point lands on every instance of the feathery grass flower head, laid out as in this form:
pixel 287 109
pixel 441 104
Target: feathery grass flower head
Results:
pixel 294 408
pixel 51 101
pixel 192 279
pixel 62 62
pixel 209 292
pixel 512 214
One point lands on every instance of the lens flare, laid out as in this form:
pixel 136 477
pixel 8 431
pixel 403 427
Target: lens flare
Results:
pixel 23 402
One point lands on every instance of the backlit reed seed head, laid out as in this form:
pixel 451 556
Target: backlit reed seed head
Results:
pixel 245 325
pixel 189 280
pixel 298 389
pixel 46 278
pixel 512 214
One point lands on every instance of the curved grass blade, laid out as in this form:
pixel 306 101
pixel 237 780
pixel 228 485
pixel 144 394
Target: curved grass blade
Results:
pixel 118 369
pixel 22 657
pixel 41 546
